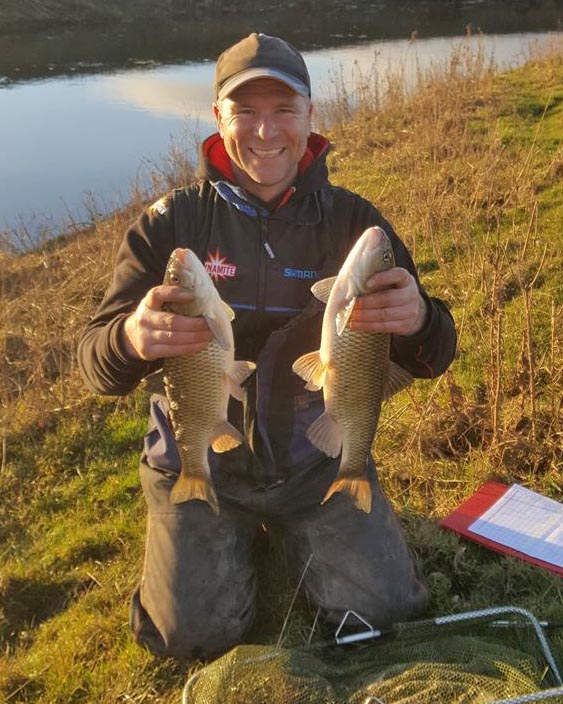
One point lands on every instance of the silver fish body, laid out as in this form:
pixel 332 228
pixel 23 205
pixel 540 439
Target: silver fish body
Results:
pixel 198 385
pixel 353 369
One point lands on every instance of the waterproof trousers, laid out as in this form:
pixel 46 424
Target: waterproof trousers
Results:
pixel 197 592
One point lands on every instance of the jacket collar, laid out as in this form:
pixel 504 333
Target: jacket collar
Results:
pixel 215 166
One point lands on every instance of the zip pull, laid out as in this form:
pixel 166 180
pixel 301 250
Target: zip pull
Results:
pixel 269 250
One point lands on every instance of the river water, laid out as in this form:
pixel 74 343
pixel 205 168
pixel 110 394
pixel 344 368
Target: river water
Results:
pixel 81 120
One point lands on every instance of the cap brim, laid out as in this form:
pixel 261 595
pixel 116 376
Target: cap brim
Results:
pixel 253 73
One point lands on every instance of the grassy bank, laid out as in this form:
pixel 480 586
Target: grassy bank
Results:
pixel 469 168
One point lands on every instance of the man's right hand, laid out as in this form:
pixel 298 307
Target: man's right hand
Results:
pixel 151 333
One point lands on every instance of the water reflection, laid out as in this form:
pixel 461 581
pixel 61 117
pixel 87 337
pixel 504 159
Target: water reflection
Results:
pixel 62 138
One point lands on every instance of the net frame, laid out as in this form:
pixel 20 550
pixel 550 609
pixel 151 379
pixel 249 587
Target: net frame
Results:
pixel 554 693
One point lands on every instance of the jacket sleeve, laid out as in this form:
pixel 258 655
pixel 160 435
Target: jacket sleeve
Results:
pixel 429 352
pixel 140 264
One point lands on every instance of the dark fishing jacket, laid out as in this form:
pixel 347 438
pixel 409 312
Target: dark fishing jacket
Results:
pixel 263 264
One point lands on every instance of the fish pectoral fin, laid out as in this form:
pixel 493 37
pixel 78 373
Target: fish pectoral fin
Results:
pixel 321 289
pixel 343 316
pixel 359 491
pixel 225 437
pixel 326 435
pixel 311 369
pixel 217 325
pixel 189 487
pixel 237 374
pixel 397 380
pixel 229 312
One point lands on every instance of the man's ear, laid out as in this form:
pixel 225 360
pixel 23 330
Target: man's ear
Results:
pixel 217 114
pixel 310 117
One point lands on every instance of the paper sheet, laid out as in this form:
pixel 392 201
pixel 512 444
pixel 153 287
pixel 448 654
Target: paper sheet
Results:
pixel 526 521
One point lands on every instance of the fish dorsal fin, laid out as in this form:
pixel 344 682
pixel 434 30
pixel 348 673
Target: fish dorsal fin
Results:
pixel 343 316
pixel 321 289
pixel 217 325
pixel 237 375
pixel 225 437
pixel 397 380
pixel 311 369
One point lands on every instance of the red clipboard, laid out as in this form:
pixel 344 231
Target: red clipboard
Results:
pixel 475 506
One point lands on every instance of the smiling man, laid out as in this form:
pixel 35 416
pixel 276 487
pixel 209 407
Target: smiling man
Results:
pixel 267 223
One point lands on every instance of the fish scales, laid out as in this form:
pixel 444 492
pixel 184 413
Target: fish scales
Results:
pixel 358 382
pixel 198 386
pixel 194 385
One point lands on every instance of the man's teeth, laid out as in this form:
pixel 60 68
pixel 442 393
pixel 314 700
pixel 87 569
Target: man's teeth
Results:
pixel 267 153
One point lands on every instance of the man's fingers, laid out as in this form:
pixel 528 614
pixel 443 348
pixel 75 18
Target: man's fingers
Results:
pixel 159 295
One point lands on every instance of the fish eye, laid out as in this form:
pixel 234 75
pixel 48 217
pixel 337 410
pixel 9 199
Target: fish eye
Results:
pixel 387 256
pixel 174 279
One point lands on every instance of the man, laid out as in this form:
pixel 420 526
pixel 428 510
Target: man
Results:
pixel 267 223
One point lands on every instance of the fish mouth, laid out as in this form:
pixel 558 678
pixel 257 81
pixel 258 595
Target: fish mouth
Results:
pixel 266 153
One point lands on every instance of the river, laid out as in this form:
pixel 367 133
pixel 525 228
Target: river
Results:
pixel 82 118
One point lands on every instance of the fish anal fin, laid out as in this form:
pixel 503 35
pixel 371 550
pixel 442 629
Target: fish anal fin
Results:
pixel 326 435
pixel 225 437
pixel 343 316
pixel 237 374
pixel 188 488
pixel 359 490
pixel 321 289
pixel 311 369
pixel 397 380
pixel 218 327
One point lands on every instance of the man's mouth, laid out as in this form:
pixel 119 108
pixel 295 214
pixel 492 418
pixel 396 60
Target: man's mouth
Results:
pixel 267 153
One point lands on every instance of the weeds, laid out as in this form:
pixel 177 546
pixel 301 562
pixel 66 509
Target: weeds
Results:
pixel 467 165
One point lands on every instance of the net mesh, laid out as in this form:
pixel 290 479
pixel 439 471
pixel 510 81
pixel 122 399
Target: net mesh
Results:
pixel 443 666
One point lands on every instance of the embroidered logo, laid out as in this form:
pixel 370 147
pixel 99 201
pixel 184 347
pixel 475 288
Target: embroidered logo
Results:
pixel 160 207
pixel 218 267
pixel 290 273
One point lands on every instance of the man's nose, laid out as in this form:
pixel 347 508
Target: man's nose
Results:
pixel 266 127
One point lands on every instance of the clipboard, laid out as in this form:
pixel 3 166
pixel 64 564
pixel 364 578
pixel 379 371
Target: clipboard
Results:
pixel 473 508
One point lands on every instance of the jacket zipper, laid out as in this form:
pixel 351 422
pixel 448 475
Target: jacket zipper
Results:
pixel 263 256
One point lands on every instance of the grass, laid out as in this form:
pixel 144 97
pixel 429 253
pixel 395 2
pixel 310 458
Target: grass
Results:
pixel 468 167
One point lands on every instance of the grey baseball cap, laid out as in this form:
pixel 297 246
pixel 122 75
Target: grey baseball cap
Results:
pixel 261 56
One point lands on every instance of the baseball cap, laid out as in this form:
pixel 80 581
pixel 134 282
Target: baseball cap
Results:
pixel 261 56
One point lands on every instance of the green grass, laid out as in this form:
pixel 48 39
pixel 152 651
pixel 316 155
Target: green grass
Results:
pixel 469 170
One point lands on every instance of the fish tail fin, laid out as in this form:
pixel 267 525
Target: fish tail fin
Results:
pixel 188 488
pixel 359 491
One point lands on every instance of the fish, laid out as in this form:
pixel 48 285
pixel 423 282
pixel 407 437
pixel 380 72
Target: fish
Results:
pixel 353 369
pixel 198 386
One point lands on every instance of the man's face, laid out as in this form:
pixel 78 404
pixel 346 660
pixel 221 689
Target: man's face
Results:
pixel 264 125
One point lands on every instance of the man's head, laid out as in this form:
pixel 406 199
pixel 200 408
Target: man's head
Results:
pixel 263 112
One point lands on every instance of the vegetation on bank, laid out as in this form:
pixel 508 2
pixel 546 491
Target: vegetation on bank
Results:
pixel 469 168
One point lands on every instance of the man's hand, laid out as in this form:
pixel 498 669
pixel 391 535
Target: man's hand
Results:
pixel 393 305
pixel 151 333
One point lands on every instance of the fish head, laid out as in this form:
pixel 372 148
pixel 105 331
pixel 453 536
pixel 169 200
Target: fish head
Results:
pixel 373 252
pixel 184 269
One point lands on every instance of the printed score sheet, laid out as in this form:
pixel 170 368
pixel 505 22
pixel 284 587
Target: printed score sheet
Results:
pixel 514 520
pixel 527 522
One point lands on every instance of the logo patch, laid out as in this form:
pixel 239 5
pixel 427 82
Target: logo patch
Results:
pixel 218 267
pixel 160 207
pixel 308 274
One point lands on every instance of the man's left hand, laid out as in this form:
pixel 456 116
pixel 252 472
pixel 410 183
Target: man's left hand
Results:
pixel 393 305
